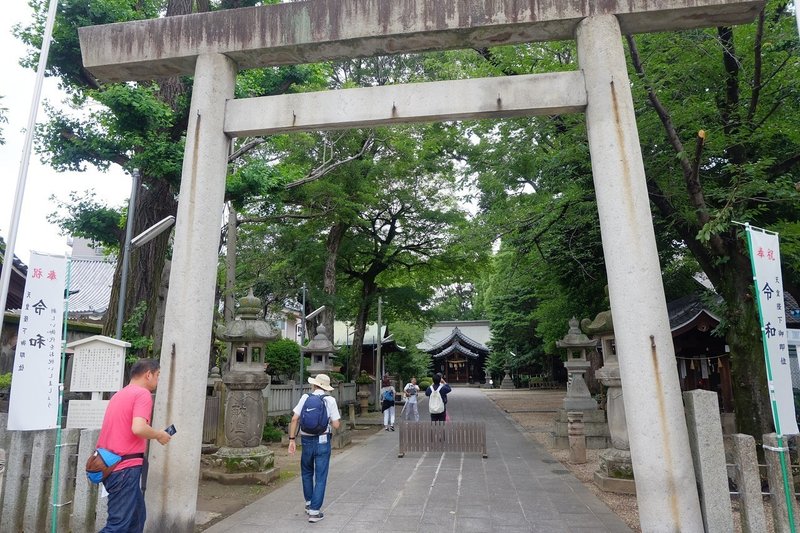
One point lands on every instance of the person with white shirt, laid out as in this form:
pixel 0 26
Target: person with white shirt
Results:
pixel 410 392
pixel 316 454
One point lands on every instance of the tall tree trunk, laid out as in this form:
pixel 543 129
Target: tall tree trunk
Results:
pixel 335 237
pixel 154 202
pixel 368 291
pixel 750 397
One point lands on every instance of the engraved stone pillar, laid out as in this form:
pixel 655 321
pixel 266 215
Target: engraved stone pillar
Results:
pixel 577 438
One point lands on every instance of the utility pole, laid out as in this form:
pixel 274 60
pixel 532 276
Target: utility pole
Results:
pixel 126 255
pixel 302 341
pixel 378 362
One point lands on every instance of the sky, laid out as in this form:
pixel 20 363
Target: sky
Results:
pixel 17 86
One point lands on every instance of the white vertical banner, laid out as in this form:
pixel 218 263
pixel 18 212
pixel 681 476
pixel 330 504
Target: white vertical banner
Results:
pixel 34 385
pixel 766 261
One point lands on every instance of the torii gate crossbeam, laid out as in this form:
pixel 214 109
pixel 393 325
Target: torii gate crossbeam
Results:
pixel 213 46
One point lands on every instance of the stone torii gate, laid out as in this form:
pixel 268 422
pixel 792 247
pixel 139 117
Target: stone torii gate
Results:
pixel 214 46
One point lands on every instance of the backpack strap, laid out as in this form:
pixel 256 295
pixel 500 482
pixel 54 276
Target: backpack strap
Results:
pixel 132 456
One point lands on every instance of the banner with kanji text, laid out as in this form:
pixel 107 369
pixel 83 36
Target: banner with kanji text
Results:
pixel 766 262
pixel 35 380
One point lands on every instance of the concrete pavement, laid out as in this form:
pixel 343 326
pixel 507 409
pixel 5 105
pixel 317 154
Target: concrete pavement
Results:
pixel 518 488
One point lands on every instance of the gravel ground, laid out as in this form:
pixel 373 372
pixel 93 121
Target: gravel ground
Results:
pixel 535 410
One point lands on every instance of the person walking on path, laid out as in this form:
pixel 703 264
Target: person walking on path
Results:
pixel 125 431
pixel 387 393
pixel 410 392
pixel 314 415
pixel 437 404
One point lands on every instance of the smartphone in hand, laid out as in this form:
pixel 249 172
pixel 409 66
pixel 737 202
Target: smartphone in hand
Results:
pixel 171 430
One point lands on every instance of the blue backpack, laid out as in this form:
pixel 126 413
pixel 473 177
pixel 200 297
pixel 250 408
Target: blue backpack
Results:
pixel 314 415
pixel 388 395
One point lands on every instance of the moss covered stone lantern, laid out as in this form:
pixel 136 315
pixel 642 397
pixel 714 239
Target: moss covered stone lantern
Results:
pixel 248 336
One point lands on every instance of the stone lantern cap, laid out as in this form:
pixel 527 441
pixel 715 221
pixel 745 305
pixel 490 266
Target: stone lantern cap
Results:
pixel 601 326
pixel 575 339
pixel 248 327
pixel 320 343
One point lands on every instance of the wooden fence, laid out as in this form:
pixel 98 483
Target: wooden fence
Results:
pixel 467 437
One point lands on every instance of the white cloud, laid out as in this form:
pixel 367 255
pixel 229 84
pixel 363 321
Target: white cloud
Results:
pixel 34 232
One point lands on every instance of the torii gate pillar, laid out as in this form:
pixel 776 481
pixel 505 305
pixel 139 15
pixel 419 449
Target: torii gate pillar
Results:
pixel 171 498
pixel 665 482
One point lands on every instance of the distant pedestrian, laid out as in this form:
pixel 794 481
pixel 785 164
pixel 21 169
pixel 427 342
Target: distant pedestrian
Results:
pixel 125 431
pixel 437 402
pixel 314 415
pixel 387 394
pixel 410 392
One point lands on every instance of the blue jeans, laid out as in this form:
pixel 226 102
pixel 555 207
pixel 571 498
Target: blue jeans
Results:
pixel 126 511
pixel 314 469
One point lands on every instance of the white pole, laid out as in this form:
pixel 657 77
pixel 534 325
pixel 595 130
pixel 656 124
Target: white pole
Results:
pixel 8 258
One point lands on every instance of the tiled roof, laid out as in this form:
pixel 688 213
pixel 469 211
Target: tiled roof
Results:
pixel 92 279
pixel 473 333
pixel 685 309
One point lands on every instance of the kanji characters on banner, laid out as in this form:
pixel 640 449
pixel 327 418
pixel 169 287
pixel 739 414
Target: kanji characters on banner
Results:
pixel 34 393
pixel 766 261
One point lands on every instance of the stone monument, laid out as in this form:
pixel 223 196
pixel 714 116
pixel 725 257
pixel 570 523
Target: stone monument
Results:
pixel 508 381
pixel 616 468
pixel 243 459
pixel 578 398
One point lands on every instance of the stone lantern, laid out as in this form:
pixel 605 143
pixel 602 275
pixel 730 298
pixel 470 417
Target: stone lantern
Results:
pixel 576 343
pixel 248 335
pixel 320 350
pixel 616 469
pixel 578 398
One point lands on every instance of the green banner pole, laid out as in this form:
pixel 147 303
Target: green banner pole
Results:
pixel 787 491
pixel 62 373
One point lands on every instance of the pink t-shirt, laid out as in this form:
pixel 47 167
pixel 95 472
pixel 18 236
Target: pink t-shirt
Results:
pixel 116 434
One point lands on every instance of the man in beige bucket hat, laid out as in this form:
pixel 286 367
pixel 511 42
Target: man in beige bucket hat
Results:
pixel 314 415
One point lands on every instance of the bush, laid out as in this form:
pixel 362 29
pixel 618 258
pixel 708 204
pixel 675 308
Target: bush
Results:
pixel 282 356
pixel 424 383
pixel 271 433
pixel 337 376
pixel 5 381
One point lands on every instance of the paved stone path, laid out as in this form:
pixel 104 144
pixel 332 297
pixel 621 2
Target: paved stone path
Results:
pixel 518 488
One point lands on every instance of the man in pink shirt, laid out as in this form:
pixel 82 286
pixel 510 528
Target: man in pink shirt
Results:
pixel 126 430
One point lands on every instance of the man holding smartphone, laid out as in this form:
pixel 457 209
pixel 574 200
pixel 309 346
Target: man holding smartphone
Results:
pixel 125 431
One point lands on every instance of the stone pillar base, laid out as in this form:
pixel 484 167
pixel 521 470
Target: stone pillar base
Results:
pixel 243 478
pixel 595 430
pixel 239 460
pixel 612 484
